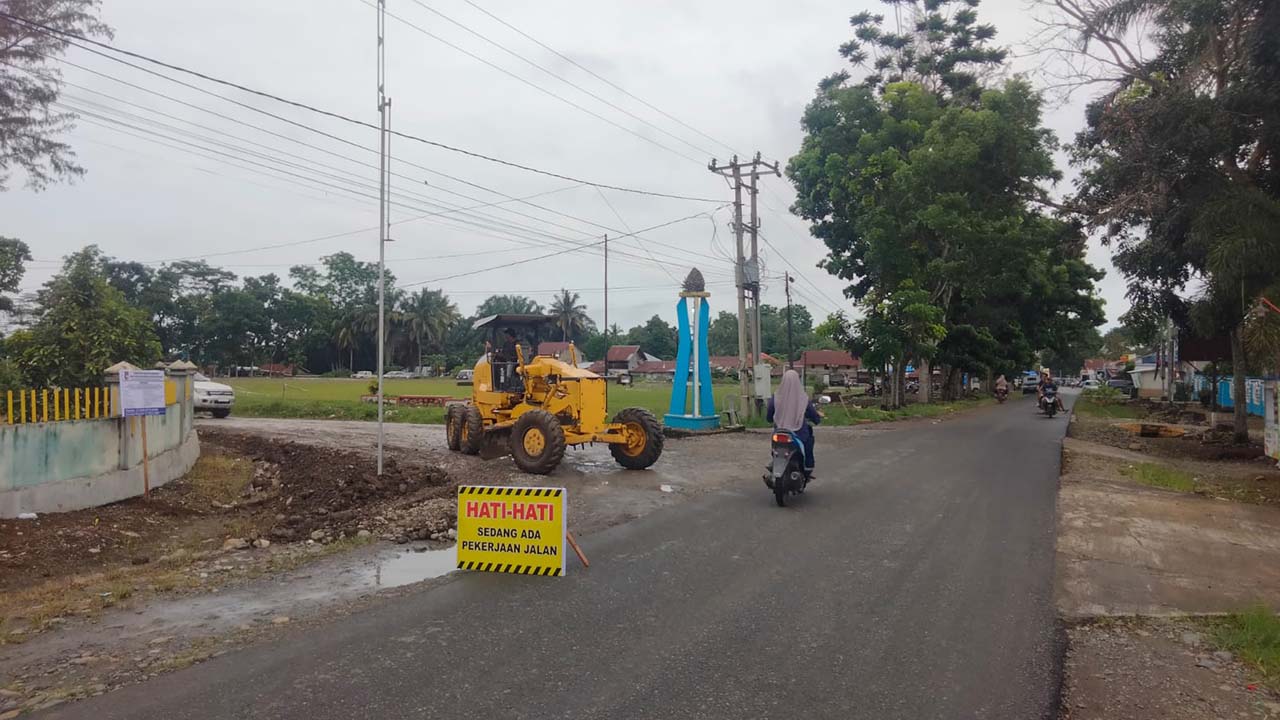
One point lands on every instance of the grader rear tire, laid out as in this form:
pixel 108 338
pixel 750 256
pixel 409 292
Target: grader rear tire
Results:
pixel 645 434
pixel 453 426
pixel 537 442
pixel 472 433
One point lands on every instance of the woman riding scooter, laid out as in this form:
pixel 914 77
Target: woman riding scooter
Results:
pixel 789 409
pixel 1002 388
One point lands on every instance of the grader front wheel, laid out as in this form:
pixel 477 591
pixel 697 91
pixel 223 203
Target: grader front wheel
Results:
pixel 537 442
pixel 644 439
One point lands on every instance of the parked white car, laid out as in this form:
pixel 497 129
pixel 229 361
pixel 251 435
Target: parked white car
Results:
pixel 363 375
pixel 213 397
pixel 1090 384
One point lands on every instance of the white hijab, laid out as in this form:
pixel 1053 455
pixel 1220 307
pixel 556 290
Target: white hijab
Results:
pixel 790 402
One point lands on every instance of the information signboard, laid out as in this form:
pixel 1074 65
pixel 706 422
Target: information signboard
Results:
pixel 519 530
pixel 141 392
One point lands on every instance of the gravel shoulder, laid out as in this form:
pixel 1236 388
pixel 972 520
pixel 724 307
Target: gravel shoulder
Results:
pixel 1143 572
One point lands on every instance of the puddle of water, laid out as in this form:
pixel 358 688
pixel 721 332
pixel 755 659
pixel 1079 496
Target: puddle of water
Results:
pixel 412 566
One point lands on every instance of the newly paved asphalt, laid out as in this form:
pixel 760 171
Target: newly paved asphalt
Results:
pixel 914 580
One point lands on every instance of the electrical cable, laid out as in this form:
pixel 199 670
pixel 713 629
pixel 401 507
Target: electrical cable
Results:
pixel 348 142
pixel 542 257
pixel 311 108
pixel 566 81
pixel 602 79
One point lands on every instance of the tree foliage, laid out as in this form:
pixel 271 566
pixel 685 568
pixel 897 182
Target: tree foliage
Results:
pixel 1179 157
pixel 571 316
pixel 937 43
pixel 30 84
pixel 85 325
pixel 14 254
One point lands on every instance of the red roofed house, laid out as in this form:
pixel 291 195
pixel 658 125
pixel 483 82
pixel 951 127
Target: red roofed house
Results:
pixel 624 358
pixel 828 363
pixel 560 351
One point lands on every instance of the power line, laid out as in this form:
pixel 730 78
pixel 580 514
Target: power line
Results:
pixel 311 108
pixel 628 228
pixel 603 79
pixel 543 257
pixel 152 135
pixel 522 201
pixel 568 82
pixel 833 304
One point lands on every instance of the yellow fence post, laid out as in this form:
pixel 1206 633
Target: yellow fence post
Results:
pixel 77 403
pixel 44 400
pixel 66 403
pixel 10 398
pixel 34 409
pixel 97 402
pixel 22 406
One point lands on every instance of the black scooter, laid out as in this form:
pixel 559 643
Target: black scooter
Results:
pixel 786 475
pixel 1049 402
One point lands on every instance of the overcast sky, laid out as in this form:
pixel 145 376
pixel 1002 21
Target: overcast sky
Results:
pixel 741 72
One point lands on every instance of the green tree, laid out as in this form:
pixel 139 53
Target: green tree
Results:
pixel 897 328
pixel 84 327
pixel 571 317
pixel 1179 157
pixel 722 335
pixel 936 43
pixel 14 254
pixel 922 179
pixel 655 337
pixel 508 305
pixel 428 315
pixel 31 83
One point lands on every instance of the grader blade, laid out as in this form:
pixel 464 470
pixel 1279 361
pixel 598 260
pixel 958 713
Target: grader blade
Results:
pixel 496 444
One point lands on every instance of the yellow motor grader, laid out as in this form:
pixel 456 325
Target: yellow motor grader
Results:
pixel 531 406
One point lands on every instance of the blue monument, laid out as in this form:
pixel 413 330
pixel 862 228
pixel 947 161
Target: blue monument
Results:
pixel 692 403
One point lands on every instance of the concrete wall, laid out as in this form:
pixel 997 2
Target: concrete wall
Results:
pixel 70 465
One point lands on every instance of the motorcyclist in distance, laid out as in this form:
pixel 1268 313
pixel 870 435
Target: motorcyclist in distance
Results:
pixel 1047 381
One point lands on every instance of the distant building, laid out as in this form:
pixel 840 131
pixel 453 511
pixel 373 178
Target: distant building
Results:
pixel 560 351
pixel 829 363
pixel 624 358
pixel 278 370
pixel 655 370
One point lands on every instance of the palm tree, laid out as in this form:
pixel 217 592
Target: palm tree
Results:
pixel 571 317
pixel 347 336
pixel 427 316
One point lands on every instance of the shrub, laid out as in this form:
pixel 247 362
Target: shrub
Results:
pixel 1105 396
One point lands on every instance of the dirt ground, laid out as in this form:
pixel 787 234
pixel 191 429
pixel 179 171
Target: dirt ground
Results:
pixel 1142 570
pixel 1140 669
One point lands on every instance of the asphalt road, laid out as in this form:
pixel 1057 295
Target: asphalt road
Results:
pixel 914 580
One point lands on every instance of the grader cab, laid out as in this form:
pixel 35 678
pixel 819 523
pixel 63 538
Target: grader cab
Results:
pixel 532 406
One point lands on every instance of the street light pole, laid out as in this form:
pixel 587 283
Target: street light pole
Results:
pixel 384 107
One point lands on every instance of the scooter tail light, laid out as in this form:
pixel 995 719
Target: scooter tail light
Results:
pixel 781 438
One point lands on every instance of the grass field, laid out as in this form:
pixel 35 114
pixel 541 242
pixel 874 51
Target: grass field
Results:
pixel 339 399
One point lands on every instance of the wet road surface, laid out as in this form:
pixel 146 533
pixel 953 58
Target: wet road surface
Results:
pixel 914 580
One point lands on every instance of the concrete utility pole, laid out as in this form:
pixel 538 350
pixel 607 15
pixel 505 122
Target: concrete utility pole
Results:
pixel 384 202
pixel 791 350
pixel 747 273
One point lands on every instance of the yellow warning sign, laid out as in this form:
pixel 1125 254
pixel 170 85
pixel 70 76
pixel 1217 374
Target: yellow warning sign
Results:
pixel 511 529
